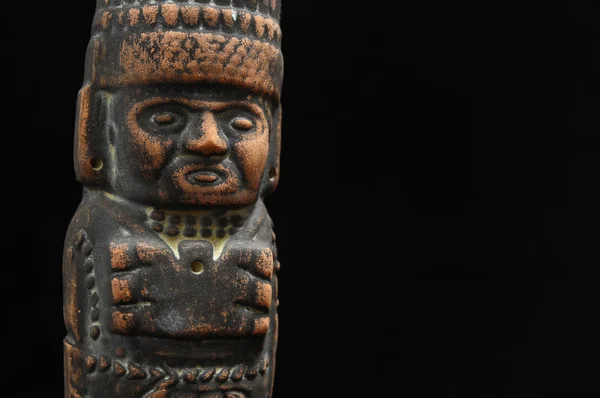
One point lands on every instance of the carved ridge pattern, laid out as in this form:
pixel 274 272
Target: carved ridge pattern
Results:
pixel 86 247
pixel 210 18
pixel 269 7
pixel 131 370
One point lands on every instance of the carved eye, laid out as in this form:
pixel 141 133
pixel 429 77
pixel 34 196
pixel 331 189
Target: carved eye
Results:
pixel 164 118
pixel 242 124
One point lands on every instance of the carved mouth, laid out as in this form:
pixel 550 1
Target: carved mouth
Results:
pixel 205 177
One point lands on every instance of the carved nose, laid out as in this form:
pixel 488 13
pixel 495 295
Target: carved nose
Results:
pixel 208 141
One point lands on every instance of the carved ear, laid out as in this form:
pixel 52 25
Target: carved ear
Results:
pixel 83 161
pixel 271 178
pixel 90 141
pixel 90 144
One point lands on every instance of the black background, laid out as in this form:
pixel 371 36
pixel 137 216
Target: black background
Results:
pixel 438 213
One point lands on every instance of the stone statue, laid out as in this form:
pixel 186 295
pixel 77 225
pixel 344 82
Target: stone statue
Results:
pixel 170 263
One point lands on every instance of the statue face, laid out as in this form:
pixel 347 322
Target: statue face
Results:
pixel 186 150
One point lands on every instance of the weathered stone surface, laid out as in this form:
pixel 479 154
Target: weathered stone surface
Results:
pixel 170 264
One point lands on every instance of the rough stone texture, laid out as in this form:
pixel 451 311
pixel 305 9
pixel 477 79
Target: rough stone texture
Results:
pixel 170 262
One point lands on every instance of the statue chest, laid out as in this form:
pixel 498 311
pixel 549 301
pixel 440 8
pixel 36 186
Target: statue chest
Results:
pixel 197 290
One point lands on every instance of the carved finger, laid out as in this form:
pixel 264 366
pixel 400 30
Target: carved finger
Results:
pixel 129 289
pixel 257 261
pixel 255 294
pixel 133 319
pixel 121 255
pixel 147 253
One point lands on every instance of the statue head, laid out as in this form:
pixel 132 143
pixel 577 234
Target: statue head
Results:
pixel 181 102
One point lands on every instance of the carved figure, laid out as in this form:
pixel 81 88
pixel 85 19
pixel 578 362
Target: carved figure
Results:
pixel 170 263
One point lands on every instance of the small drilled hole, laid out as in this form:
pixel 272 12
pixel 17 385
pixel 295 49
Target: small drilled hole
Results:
pixel 97 163
pixel 272 173
pixel 197 267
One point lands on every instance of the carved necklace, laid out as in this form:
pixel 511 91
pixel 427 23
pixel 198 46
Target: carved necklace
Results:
pixel 217 227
